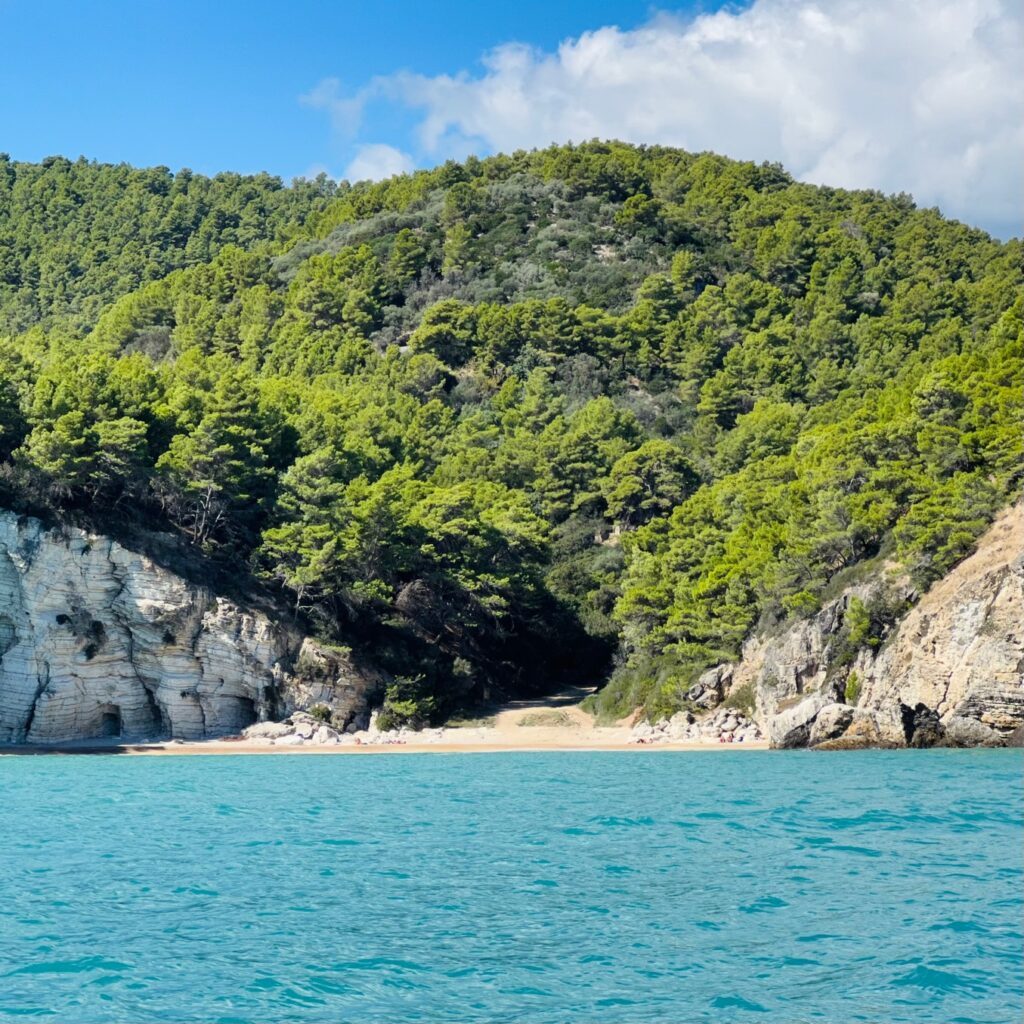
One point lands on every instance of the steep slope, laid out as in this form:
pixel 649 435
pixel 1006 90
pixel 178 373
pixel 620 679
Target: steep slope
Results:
pixel 99 641
pixel 541 419
pixel 949 670
pixel 960 650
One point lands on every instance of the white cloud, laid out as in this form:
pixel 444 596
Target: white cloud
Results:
pixel 327 95
pixel 313 171
pixel 376 160
pixel 925 96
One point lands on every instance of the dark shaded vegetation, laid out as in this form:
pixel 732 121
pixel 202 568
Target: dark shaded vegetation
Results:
pixel 520 421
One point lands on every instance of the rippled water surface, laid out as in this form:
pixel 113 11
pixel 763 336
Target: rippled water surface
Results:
pixel 563 887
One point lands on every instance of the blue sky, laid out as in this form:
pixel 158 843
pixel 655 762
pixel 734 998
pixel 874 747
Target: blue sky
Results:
pixel 925 96
pixel 217 84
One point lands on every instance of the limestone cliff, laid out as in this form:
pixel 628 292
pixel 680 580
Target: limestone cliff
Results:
pixel 950 671
pixel 97 640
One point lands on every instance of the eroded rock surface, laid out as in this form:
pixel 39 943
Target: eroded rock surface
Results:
pixel 99 641
pixel 951 672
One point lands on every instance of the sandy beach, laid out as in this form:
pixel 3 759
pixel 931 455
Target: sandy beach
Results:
pixel 220 747
pixel 547 724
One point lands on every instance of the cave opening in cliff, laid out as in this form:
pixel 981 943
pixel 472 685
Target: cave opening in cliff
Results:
pixel 236 713
pixel 110 721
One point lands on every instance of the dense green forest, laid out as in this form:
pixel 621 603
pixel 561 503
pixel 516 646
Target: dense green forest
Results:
pixel 76 236
pixel 592 413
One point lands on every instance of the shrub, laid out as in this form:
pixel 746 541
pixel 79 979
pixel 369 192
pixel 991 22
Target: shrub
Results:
pixel 321 712
pixel 742 698
pixel 408 703
pixel 654 681
pixel 852 692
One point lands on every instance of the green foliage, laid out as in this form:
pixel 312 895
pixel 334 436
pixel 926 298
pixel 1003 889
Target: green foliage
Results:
pixel 218 475
pixel 742 698
pixel 865 624
pixel 859 625
pixel 408 703
pixel 505 423
pixel 852 691
pixel 75 236
pixel 321 712
pixel 656 682
pixel 647 483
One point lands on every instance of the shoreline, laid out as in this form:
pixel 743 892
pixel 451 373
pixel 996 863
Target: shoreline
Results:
pixel 242 747
pixel 554 723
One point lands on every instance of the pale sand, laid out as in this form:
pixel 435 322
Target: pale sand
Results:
pixel 507 734
pixel 530 744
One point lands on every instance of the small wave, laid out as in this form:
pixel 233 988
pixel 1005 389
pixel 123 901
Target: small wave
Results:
pixel 959 926
pixel 861 851
pixel 614 822
pixel 737 1003
pixel 764 905
pixel 930 979
pixel 81 966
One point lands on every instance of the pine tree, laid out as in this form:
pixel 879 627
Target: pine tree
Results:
pixel 218 474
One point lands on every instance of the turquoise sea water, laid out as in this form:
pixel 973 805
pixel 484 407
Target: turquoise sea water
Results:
pixel 562 887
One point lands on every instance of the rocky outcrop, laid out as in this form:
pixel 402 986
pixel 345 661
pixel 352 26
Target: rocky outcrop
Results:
pixel 298 729
pixel 789 677
pixel 831 722
pixel 960 650
pixel 100 641
pixel 950 672
pixel 301 729
pixel 726 725
pixel 710 689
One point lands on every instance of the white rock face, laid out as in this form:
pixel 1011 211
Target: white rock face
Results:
pixel 959 652
pixel 97 640
pixel 788 674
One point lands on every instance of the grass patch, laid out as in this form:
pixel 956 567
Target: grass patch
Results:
pixel 790 702
pixel 465 722
pixel 548 718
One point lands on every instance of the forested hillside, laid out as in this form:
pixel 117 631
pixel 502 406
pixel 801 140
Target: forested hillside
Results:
pixel 588 413
pixel 76 236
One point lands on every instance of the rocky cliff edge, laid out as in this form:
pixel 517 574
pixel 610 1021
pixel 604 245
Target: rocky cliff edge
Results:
pixel 950 671
pixel 99 641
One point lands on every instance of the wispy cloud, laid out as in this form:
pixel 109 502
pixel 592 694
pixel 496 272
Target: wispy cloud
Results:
pixel 345 111
pixel 925 96
pixel 376 160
